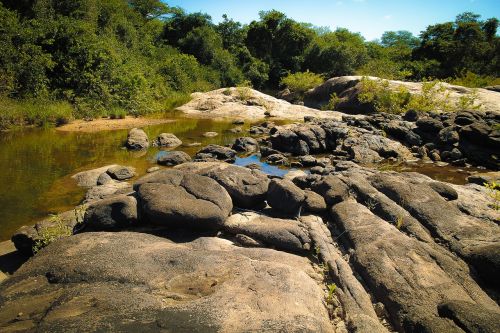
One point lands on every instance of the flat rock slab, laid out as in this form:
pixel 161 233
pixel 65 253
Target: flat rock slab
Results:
pixel 132 282
pixel 287 235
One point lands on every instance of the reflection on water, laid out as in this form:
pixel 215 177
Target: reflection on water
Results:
pixel 264 167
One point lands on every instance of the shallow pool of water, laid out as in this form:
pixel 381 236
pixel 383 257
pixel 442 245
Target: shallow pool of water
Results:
pixel 36 164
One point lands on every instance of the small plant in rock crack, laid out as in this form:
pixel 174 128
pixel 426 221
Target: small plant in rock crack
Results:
pixel 494 193
pixel 49 234
pixel 371 204
pixel 399 222
pixel 332 287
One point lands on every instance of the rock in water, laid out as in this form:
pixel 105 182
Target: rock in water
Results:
pixel 134 282
pixel 121 172
pixel 246 144
pixel 137 139
pixel 167 140
pixel 173 158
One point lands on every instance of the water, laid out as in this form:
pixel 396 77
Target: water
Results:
pixel 36 164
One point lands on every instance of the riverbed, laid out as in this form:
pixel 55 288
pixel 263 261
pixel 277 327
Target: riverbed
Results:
pixel 37 164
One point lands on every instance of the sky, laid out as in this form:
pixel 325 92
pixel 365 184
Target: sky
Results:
pixel 368 17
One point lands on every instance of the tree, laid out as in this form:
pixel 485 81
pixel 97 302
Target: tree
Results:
pixel 150 9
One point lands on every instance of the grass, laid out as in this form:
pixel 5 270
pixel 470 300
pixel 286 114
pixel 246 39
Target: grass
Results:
pixel 46 113
pixel 494 193
pixel 33 112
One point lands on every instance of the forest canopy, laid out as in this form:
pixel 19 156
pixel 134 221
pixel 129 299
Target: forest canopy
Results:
pixel 143 56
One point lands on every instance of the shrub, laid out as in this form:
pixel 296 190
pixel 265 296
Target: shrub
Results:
pixel 332 102
pixel 383 97
pixel 117 113
pixel 473 80
pixel 301 82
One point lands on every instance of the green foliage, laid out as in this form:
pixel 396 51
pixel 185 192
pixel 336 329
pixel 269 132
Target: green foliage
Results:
pixel 301 82
pixel 33 112
pixel 494 193
pixel 397 99
pixel 332 102
pixel 473 80
pixel 51 233
pixel 332 287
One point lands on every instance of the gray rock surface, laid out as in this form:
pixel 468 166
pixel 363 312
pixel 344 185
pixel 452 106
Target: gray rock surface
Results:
pixel 121 172
pixel 173 158
pixel 114 213
pixel 285 196
pixel 132 282
pixel 172 198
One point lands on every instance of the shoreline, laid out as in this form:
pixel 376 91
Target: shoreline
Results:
pixel 107 124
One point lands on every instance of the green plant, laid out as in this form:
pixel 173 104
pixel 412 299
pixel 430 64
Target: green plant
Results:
pixel 494 193
pixel 244 91
pixel 332 102
pixel 332 287
pixel 301 82
pixel 469 101
pixel 383 97
pixel 117 113
pixel 48 234
pixel 399 222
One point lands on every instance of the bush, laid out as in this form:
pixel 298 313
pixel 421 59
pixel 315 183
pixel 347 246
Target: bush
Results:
pixel 332 102
pixel 433 97
pixel 301 82
pixel 473 80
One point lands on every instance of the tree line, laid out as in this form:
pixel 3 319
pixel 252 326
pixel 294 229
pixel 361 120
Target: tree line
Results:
pixel 144 56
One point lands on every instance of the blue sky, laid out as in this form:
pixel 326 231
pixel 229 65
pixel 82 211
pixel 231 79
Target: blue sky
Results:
pixel 369 17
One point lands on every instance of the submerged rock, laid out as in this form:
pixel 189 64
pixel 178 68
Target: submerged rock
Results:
pixel 121 172
pixel 173 158
pixel 216 152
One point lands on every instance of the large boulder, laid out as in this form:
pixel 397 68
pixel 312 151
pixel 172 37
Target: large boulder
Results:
pixel 176 199
pixel 247 188
pixel 285 196
pixel 137 139
pixel 89 178
pixel 135 282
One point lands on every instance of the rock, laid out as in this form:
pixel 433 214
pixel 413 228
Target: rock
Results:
pixel 167 140
pixel 238 122
pixel 247 188
pixel 246 144
pixel 210 134
pixel 89 178
pixel 307 160
pixel 137 139
pixel 173 158
pixel 411 115
pixel 287 235
pixel 153 169
pixel 135 282
pixel 176 199
pixel 216 152
pixel 448 136
pixel 266 151
pixel 398 268
pixel 332 189
pixel 55 227
pixel 314 202
pixel 292 174
pixel 253 166
pixel 428 127
pixel 104 179
pixel 111 214
pixel 121 172
pixel 485 177
pixel 402 133
pixel 285 196
pixel 236 130
pixel 278 159
pixel 348 88
pixel 467 316
pixel 104 191
pixel 444 190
